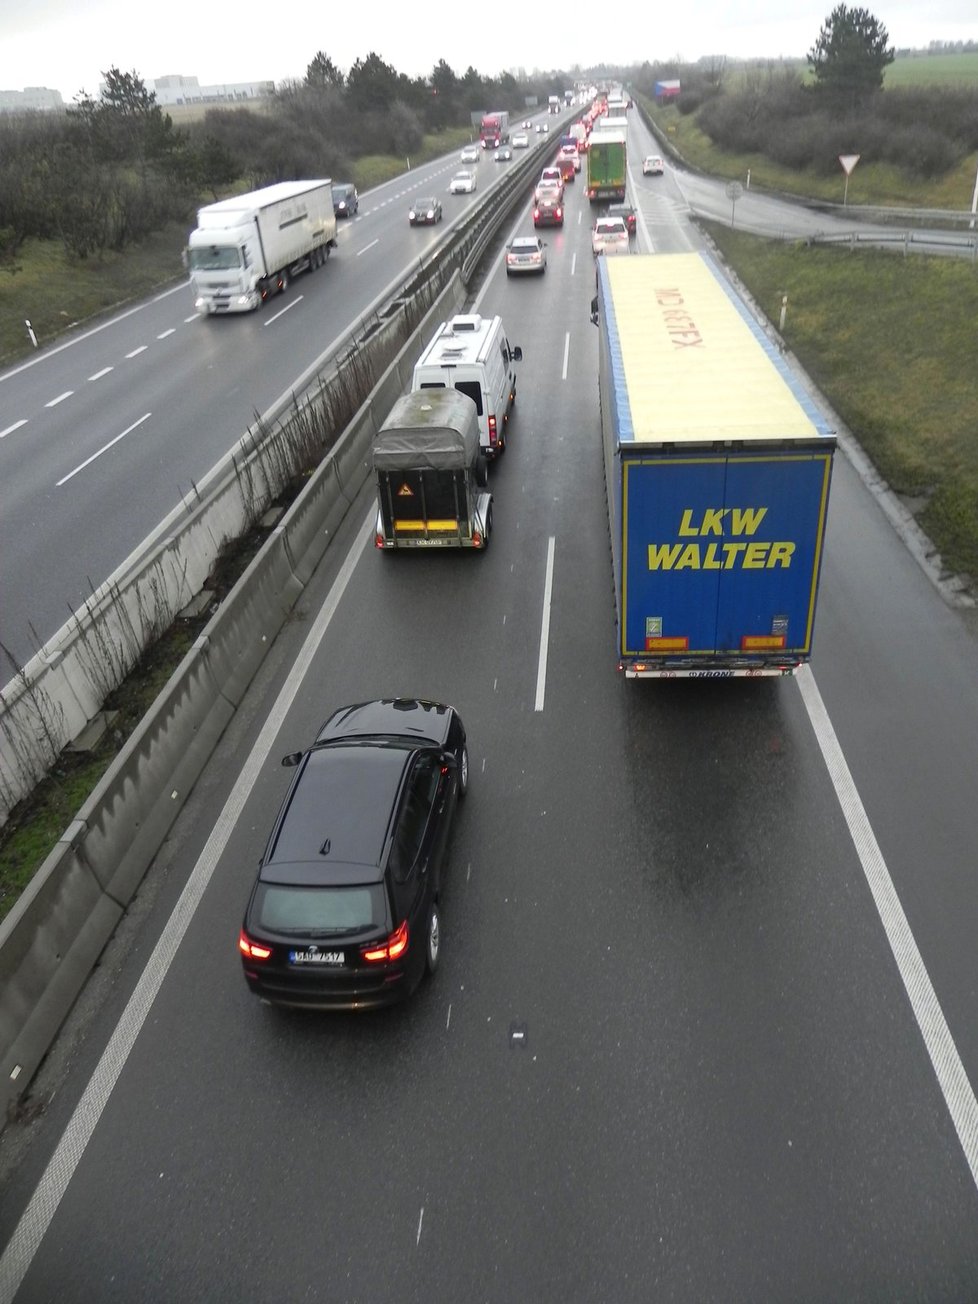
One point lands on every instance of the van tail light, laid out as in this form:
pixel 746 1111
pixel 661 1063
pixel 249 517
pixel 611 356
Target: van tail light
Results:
pixel 378 540
pixel 252 950
pixel 492 428
pixel 392 948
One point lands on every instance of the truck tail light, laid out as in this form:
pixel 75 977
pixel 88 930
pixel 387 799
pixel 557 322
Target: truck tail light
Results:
pixel 378 540
pixel 392 948
pixel 492 428
pixel 252 950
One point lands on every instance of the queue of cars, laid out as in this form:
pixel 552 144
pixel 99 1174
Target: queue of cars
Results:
pixel 344 912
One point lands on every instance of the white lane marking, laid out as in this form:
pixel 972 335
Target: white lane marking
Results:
pixel 545 628
pixel 136 352
pixel 420 1221
pixel 448 1021
pixel 282 311
pixel 195 316
pixel 60 399
pixel 563 370
pixel 574 264
pixel 366 247
pixel 951 1076
pixel 164 334
pixel 58 348
pixel 37 1217
pixel 99 374
pixel 104 449
pixel 10 429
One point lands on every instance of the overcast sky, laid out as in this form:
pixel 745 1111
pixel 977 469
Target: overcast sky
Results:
pixel 67 44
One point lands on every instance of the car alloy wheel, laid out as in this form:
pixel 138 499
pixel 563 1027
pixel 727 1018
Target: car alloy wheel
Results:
pixel 463 766
pixel 433 944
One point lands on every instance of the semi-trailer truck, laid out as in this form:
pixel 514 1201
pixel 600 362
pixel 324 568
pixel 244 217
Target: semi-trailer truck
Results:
pixel 494 129
pixel 717 469
pixel 247 248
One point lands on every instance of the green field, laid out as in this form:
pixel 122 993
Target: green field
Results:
pixel 960 70
pixel 891 343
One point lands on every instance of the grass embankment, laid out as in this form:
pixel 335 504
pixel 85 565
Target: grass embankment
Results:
pixel 55 292
pixel 891 343
pixel 872 184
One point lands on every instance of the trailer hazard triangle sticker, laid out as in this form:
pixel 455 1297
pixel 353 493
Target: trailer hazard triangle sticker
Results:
pixel 405 491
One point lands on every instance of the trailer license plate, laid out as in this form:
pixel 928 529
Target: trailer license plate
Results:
pixel 313 955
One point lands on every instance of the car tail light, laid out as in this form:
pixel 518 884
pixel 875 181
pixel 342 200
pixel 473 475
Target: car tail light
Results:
pixel 536 214
pixel 492 428
pixel 558 212
pixel 252 950
pixel 391 949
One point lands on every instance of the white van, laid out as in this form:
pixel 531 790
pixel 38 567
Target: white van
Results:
pixel 471 354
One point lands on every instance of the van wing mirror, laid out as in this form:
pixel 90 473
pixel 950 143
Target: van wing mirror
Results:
pixel 516 354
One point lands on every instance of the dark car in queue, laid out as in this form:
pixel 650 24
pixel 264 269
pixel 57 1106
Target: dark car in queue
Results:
pixel 346 200
pixel 425 211
pixel 548 208
pixel 344 914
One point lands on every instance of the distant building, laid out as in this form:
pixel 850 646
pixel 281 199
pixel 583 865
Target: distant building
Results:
pixel 32 97
pixel 174 90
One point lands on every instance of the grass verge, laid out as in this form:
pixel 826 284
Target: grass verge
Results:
pixel 872 184
pixel 891 343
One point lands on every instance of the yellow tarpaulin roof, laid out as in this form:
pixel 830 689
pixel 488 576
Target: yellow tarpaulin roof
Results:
pixel 693 368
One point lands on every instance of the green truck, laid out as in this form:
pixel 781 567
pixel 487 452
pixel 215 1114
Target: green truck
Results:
pixel 606 166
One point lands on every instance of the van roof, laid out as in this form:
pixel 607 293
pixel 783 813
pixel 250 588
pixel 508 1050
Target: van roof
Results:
pixel 465 338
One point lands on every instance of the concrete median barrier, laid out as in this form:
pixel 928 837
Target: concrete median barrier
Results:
pixel 48 945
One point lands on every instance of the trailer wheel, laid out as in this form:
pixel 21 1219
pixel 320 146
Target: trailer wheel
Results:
pixel 481 471
pixel 283 281
pixel 485 542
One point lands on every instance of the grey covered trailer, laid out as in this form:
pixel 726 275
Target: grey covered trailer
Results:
pixel 431 474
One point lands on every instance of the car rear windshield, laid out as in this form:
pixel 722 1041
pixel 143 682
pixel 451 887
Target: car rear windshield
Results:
pixel 316 910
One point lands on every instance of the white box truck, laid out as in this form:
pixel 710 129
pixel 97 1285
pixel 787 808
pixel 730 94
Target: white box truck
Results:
pixel 246 248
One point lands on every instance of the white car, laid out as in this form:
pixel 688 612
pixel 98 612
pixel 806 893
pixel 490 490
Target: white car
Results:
pixel 609 235
pixel 470 154
pixel 652 166
pixel 521 140
pixel 527 253
pixel 503 154
pixel 462 183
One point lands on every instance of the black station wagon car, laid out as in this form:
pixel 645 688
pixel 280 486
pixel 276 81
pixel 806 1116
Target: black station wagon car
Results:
pixel 344 914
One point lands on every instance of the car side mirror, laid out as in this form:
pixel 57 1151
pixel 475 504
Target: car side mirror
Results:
pixel 293 758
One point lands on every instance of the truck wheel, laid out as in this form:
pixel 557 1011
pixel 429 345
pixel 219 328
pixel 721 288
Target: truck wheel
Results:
pixel 283 282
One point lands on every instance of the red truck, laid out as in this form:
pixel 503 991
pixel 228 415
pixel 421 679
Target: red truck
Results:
pixel 494 129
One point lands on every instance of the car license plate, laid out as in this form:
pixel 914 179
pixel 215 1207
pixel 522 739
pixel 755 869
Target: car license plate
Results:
pixel 313 955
